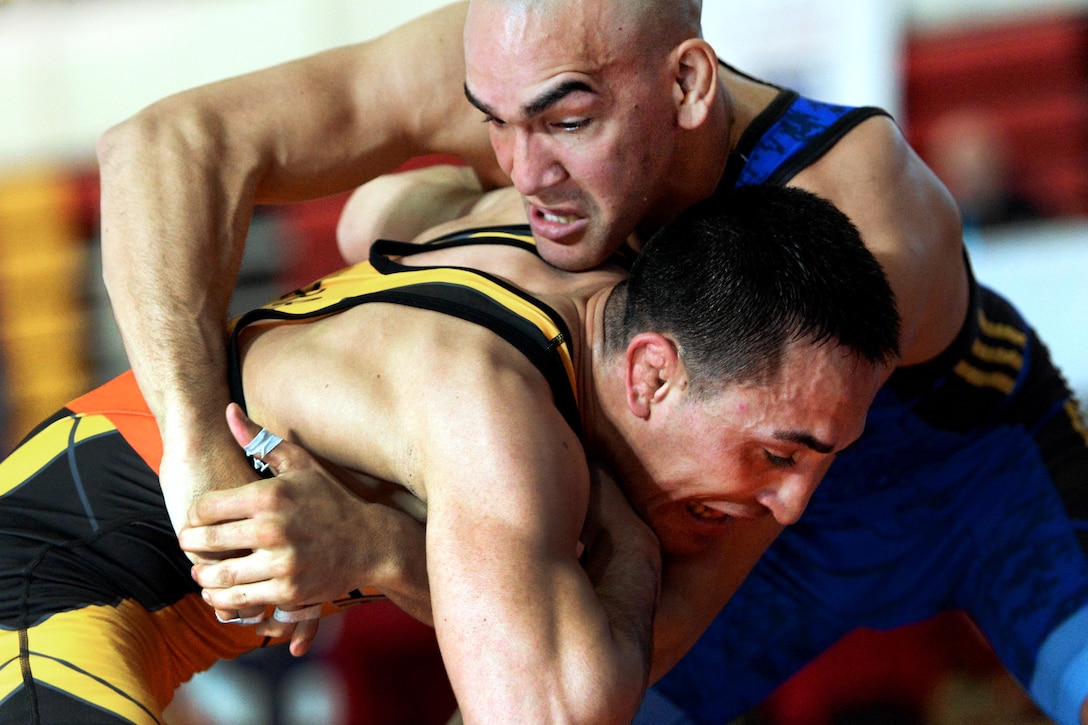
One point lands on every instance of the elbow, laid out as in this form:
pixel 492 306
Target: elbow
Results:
pixel 583 695
pixel 625 706
pixel 618 709
pixel 113 141
pixel 118 146
pixel 608 695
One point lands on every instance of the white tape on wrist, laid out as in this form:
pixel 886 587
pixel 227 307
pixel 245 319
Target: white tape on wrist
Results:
pixel 261 445
pixel 297 615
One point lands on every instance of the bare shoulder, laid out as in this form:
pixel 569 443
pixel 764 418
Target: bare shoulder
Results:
pixel 870 160
pixel 910 223
pixel 419 383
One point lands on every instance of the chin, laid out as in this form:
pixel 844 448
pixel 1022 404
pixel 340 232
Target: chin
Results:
pixel 684 545
pixel 570 259
pixel 575 255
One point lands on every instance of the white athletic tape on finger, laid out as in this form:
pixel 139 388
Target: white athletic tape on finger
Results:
pixel 242 620
pixel 297 615
pixel 261 445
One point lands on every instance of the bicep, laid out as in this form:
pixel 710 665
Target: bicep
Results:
pixel 506 505
pixel 419 76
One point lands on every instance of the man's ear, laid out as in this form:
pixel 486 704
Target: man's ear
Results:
pixel 652 366
pixel 696 82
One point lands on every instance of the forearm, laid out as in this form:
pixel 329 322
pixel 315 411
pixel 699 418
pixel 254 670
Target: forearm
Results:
pixel 179 182
pixel 695 588
pixel 564 642
pixel 623 563
pixel 556 652
pixel 175 207
pixel 402 573
pixel 171 244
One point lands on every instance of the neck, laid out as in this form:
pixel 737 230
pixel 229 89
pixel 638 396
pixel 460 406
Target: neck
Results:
pixel 700 161
pixel 602 392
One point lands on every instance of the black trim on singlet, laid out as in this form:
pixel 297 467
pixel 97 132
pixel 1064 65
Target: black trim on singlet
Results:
pixel 911 381
pixel 752 135
pixel 451 299
pixel 462 302
pixel 822 144
pixel 464 237
pixel 768 117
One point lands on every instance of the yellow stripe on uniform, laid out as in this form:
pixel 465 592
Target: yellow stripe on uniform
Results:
pixel 11 674
pixel 1076 419
pixel 999 331
pixel 349 283
pixel 38 452
pixel 984 379
pixel 997 355
pixel 78 653
pixel 62 677
pixel 528 238
pixel 124 659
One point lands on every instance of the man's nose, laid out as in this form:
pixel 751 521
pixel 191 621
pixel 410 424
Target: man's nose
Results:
pixel 788 499
pixel 533 165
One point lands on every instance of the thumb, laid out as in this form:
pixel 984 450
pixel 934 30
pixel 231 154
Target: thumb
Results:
pixel 241 427
pixel 244 430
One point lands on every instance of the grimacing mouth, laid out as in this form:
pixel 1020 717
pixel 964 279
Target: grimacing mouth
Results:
pixel 701 511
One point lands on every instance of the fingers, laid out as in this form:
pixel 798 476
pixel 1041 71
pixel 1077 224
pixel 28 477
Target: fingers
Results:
pixel 241 427
pixel 256 441
pixel 226 588
pixel 302 633
pixel 303 636
pixel 242 598
pixel 300 624
pixel 203 535
pixel 247 616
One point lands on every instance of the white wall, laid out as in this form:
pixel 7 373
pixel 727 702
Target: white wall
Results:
pixel 929 14
pixel 846 51
pixel 69 70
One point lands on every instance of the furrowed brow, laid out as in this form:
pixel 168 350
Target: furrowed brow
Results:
pixel 549 98
pixel 805 439
pixel 538 105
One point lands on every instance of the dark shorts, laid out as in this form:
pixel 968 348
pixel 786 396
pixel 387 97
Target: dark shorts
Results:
pixel 100 620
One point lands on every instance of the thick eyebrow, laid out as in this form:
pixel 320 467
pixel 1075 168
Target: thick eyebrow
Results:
pixel 541 103
pixel 483 107
pixel 805 439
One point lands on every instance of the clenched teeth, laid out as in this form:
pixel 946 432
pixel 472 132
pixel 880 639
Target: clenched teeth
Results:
pixel 557 218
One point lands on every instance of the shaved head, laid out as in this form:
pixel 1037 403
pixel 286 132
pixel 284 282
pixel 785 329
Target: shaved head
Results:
pixel 657 21
pixel 593 106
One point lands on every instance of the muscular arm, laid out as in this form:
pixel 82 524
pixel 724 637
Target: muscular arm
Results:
pixel 179 181
pixel 526 634
pixel 695 588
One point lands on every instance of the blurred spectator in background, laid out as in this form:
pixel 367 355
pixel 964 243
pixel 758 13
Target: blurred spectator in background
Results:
pixel 970 153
